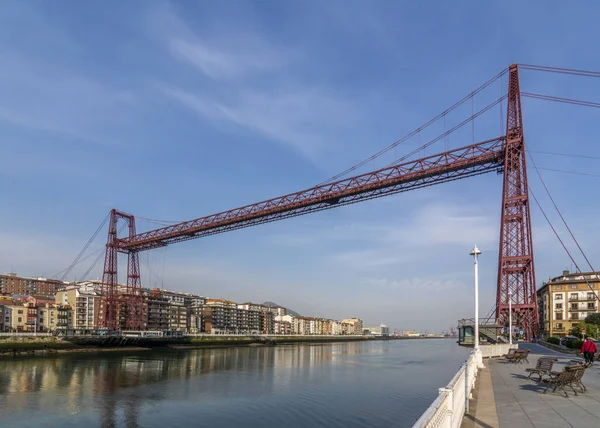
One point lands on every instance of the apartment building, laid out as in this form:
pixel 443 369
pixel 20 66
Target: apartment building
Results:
pixel 221 316
pixel 156 309
pixel 566 300
pixel 266 315
pixel 282 327
pixel 352 326
pixel 85 302
pixel 12 284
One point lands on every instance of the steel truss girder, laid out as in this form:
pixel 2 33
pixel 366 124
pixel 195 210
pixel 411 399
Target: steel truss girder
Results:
pixel 448 166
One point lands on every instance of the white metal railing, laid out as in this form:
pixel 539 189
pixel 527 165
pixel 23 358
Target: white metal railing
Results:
pixel 450 406
pixel 489 351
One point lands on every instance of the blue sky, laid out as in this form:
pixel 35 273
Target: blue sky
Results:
pixel 177 110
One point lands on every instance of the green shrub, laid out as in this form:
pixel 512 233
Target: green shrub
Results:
pixel 553 340
pixel 574 344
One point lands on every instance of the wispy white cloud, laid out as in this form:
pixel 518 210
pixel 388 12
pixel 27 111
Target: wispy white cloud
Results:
pixel 221 61
pixel 244 85
pixel 301 118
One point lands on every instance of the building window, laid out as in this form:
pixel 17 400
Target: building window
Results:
pixel 591 305
pixel 559 306
pixel 558 297
pixel 559 326
pixel 591 296
pixel 575 317
pixel 20 311
pixel 574 287
pixel 20 319
pixel 559 316
pixel 574 306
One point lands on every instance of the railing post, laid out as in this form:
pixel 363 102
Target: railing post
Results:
pixel 467 386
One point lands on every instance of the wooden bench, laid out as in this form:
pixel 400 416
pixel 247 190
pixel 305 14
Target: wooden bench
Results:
pixel 542 367
pixel 570 376
pixel 579 376
pixel 520 356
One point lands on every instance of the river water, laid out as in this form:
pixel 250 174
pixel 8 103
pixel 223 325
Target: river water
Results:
pixel 356 384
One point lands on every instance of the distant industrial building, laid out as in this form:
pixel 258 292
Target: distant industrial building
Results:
pixel 382 330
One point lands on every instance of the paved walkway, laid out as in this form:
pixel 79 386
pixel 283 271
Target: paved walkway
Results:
pixel 520 402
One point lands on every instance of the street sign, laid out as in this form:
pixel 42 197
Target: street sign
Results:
pixel 582 331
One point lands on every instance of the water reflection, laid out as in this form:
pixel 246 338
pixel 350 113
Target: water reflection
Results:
pixel 133 390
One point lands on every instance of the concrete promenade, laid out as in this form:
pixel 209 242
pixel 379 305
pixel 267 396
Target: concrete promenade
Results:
pixel 504 397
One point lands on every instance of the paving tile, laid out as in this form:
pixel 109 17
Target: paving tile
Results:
pixel 520 402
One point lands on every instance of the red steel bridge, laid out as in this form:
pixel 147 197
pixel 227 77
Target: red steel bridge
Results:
pixel 504 154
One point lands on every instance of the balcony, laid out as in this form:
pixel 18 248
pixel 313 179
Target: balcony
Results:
pixel 582 299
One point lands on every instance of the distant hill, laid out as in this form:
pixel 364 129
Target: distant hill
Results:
pixel 288 310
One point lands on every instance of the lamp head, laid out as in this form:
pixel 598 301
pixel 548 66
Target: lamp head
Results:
pixel 475 251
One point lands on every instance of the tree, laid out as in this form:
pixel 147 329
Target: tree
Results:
pixel 591 330
pixel 593 319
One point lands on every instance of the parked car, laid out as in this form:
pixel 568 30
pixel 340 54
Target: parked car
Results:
pixel 566 339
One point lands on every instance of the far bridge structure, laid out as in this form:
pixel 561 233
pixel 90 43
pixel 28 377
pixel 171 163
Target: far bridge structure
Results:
pixel 503 154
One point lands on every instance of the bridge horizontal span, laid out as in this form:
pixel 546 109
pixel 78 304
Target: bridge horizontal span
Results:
pixel 452 165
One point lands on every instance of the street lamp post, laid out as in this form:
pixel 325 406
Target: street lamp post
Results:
pixel 477 351
pixel 510 329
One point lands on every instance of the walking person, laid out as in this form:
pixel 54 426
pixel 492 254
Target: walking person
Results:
pixel 589 349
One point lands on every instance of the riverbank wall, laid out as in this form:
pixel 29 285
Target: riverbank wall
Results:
pixel 25 345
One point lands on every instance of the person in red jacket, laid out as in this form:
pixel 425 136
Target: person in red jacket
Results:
pixel 589 349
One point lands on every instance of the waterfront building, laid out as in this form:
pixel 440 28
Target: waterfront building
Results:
pixel 282 327
pixel 382 330
pixel 15 318
pixel 221 316
pixel 266 315
pixel 267 322
pixel 3 320
pixel 566 300
pixel 11 284
pixel 85 301
pixel 156 310
pixel 352 326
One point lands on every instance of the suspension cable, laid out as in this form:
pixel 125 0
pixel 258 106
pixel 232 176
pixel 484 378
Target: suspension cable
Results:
pixel 451 130
pixel 564 154
pixel 89 242
pixel 99 250
pixel 87 272
pixel 560 240
pixel 566 225
pixel 587 174
pixel 560 70
pixel 561 100
pixel 419 129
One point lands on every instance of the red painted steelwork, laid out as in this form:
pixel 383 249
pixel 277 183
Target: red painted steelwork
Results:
pixel 507 154
pixel 516 273
pixel 448 166
pixel 110 308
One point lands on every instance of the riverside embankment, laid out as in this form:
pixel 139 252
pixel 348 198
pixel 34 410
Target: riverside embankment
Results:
pixel 40 345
